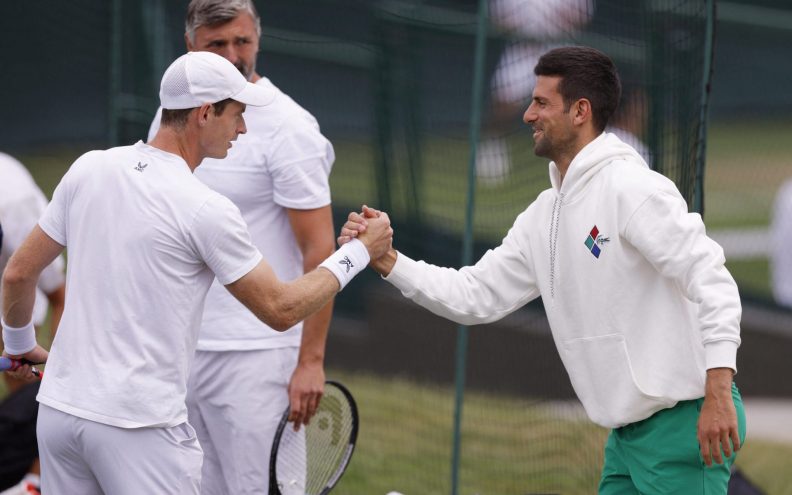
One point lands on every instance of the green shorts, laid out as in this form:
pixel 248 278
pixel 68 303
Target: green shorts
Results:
pixel 661 454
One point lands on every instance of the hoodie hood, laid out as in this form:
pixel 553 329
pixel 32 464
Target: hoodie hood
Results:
pixel 606 148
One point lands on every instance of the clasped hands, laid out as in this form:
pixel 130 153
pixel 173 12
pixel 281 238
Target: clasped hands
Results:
pixel 373 228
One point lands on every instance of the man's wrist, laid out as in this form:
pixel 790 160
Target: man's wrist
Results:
pixel 310 358
pixel 347 262
pixel 384 264
pixel 719 380
pixel 723 373
pixel 309 365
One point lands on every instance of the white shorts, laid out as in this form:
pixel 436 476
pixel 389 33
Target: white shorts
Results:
pixel 90 458
pixel 235 400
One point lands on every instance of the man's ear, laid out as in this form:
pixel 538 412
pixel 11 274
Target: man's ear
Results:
pixel 188 43
pixel 203 112
pixel 581 111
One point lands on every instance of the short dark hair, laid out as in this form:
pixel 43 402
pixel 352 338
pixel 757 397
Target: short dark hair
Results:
pixel 585 73
pixel 178 118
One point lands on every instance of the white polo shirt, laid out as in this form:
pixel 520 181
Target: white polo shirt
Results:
pixel 21 205
pixel 282 162
pixel 145 241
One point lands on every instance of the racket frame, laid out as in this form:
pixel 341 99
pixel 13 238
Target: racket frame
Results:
pixel 350 448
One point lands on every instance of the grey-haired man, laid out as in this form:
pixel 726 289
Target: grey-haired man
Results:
pixel 278 176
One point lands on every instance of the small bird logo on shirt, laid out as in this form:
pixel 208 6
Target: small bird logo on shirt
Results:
pixel 347 262
pixel 139 167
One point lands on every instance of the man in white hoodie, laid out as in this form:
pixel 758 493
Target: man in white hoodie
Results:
pixel 643 312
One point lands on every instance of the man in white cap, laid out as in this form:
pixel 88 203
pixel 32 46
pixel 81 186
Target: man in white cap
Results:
pixel 146 239
pixel 278 176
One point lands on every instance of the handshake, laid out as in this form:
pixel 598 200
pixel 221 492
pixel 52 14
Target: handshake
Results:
pixel 373 228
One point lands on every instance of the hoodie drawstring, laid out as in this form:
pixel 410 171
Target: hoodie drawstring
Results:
pixel 554 221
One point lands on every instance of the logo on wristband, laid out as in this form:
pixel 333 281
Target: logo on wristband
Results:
pixel 346 261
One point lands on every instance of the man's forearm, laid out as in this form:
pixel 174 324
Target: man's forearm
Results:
pixel 19 295
pixel 315 327
pixel 314 336
pixel 22 273
pixel 19 292
pixel 283 305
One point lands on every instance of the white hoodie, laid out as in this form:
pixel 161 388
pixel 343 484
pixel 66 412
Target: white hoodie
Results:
pixel 638 299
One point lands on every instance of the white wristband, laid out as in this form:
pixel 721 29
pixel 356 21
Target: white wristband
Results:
pixel 347 262
pixel 18 341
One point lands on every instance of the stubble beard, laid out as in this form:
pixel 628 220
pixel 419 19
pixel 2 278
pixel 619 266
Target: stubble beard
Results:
pixel 553 149
pixel 543 147
pixel 246 70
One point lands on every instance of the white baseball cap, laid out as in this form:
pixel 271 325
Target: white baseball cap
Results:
pixel 197 78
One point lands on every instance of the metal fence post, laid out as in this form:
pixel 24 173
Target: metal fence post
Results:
pixel 709 52
pixel 467 246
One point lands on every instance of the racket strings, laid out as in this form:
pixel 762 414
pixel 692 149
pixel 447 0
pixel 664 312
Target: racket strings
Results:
pixel 309 460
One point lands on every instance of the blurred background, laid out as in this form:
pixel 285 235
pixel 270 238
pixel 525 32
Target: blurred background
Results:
pixel 426 124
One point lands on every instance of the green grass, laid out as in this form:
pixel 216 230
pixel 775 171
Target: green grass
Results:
pixel 768 465
pixel 746 163
pixel 752 276
pixel 47 165
pixel 509 445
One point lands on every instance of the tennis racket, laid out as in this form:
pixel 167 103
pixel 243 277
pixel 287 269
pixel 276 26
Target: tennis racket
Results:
pixel 8 364
pixel 311 461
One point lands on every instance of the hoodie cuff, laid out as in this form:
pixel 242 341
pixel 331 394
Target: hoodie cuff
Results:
pixel 721 354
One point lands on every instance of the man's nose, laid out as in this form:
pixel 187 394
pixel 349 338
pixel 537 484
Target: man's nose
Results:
pixel 529 116
pixel 229 52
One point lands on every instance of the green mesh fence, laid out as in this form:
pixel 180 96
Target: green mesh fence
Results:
pixel 391 83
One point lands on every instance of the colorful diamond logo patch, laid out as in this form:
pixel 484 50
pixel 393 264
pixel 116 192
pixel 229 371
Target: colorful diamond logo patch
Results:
pixel 591 242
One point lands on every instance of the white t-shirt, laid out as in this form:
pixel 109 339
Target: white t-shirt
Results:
pixel 145 241
pixel 282 162
pixel 21 205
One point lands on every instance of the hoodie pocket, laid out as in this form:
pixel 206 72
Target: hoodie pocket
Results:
pixel 602 376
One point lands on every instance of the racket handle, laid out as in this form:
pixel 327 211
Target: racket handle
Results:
pixel 8 364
